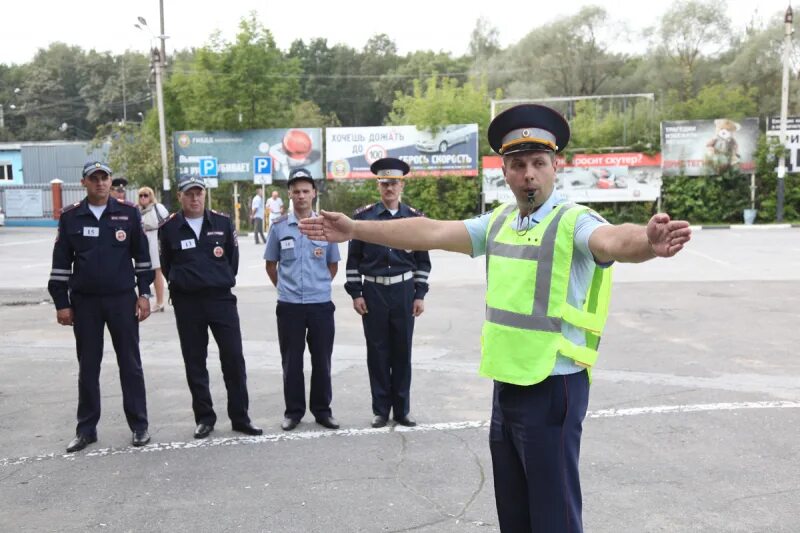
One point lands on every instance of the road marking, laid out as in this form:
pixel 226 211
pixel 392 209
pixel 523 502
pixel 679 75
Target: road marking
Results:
pixel 360 432
pixel 16 243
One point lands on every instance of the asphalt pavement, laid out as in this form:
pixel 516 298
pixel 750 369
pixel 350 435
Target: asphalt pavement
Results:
pixel 693 422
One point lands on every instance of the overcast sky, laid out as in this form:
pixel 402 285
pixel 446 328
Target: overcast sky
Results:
pixel 412 24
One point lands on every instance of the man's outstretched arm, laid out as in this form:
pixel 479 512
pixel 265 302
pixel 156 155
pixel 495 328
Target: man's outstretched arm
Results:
pixel 629 243
pixel 418 233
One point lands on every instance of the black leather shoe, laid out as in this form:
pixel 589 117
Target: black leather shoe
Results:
pixel 203 430
pixel 289 424
pixel 80 442
pixel 328 422
pixel 247 429
pixel 406 420
pixel 140 438
pixel 379 421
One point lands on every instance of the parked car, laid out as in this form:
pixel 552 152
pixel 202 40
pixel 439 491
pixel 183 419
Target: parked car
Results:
pixel 444 138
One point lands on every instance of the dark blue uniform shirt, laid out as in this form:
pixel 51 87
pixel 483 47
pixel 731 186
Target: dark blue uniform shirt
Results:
pixel 375 260
pixel 105 256
pixel 191 264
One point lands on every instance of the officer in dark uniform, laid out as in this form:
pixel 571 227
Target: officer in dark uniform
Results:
pixel 118 185
pixel 100 255
pixel 200 259
pixel 389 298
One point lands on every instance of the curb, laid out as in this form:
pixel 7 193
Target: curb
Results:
pixel 745 227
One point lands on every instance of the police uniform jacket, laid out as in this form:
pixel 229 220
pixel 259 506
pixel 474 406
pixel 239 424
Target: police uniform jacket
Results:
pixel 376 260
pixel 190 264
pixel 105 256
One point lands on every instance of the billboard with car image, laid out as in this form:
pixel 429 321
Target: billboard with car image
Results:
pixel 450 150
pixel 626 177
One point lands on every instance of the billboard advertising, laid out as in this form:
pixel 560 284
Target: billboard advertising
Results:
pixel 708 147
pixel 628 177
pixel 237 152
pixel 792 142
pixel 451 151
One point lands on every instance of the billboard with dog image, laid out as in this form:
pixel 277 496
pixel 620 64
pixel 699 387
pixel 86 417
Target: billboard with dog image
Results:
pixel 708 147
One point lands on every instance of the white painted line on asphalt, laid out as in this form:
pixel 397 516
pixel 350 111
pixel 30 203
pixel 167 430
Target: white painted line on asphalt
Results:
pixel 707 257
pixel 359 432
pixel 16 243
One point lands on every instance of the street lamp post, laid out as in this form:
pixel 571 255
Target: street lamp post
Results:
pixel 159 61
pixel 787 44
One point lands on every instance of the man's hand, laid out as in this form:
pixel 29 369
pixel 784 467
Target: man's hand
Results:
pixel 331 227
pixel 418 308
pixel 360 305
pixel 142 308
pixel 667 237
pixel 64 316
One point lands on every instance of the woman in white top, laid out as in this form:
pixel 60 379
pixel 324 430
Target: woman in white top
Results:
pixel 153 214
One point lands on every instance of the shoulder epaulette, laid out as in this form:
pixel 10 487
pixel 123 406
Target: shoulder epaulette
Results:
pixel 363 209
pixel 70 207
pixel 220 214
pixel 417 212
pixel 170 217
pixel 282 218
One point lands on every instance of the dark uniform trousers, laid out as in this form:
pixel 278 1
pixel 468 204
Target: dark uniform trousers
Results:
pixel 91 313
pixel 195 314
pixel 534 438
pixel 388 329
pixel 298 324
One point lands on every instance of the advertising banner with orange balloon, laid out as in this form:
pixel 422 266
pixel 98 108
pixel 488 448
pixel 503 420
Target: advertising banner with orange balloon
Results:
pixel 234 151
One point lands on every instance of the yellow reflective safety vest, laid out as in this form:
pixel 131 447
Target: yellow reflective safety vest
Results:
pixel 526 298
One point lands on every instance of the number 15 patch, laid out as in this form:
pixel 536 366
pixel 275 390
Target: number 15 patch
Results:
pixel 188 243
pixel 89 231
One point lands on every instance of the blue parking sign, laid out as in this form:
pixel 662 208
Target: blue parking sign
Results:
pixel 208 167
pixel 262 165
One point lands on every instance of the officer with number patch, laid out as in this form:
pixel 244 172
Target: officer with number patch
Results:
pixel 100 255
pixel 389 298
pixel 302 271
pixel 200 260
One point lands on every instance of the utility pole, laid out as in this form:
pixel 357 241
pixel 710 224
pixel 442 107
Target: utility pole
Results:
pixel 165 186
pixel 162 36
pixel 124 93
pixel 787 44
pixel 159 56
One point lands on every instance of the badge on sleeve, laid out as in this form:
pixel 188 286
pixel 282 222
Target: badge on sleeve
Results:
pixel 89 231
pixel 218 251
pixel 120 235
pixel 188 243
pixel 318 252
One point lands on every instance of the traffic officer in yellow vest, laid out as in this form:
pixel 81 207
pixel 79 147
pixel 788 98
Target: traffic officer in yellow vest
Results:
pixel 548 282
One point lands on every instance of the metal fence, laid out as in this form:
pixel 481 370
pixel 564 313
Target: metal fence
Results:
pixel 70 193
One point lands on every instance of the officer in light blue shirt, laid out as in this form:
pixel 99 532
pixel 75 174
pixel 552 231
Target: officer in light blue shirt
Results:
pixel 302 269
pixel 583 263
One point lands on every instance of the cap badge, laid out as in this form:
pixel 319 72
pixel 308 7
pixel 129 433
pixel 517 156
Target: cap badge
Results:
pixel 526 133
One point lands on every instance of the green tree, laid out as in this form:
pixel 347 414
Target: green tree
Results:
pixel 243 84
pixel 691 28
pixel 568 57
